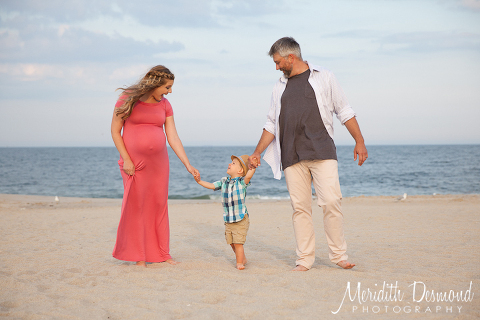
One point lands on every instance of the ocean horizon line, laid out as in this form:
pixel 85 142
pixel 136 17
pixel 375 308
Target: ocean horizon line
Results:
pixel 253 146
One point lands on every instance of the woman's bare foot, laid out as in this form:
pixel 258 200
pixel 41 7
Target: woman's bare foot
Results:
pixel 141 263
pixel 299 268
pixel 172 262
pixel 160 264
pixel 345 264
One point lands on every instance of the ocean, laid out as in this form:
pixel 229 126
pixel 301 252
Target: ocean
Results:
pixel 93 172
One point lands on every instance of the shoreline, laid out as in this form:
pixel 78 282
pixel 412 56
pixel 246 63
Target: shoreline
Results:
pixel 56 261
pixel 51 199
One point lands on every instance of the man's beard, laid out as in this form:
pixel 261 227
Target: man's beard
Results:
pixel 286 72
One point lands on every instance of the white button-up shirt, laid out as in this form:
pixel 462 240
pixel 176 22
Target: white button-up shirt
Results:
pixel 330 99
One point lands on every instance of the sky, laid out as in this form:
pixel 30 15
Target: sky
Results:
pixel 410 69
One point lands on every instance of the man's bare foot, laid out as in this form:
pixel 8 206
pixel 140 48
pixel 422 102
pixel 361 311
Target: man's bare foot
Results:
pixel 345 264
pixel 299 268
pixel 141 263
pixel 240 266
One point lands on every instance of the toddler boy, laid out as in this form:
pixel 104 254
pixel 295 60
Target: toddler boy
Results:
pixel 235 214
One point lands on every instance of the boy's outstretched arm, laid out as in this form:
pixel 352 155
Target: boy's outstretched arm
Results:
pixel 204 184
pixel 249 175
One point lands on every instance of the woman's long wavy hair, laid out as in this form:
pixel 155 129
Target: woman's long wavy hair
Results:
pixel 156 77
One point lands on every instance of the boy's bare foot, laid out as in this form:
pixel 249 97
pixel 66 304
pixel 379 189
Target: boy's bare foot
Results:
pixel 299 268
pixel 345 264
pixel 240 257
pixel 141 263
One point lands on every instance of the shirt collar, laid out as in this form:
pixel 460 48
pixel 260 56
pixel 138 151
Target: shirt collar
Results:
pixel 230 179
pixel 310 66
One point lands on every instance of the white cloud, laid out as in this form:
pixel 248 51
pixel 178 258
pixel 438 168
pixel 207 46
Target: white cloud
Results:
pixel 58 10
pixel 62 29
pixel 243 8
pixel 31 72
pixel 178 13
pixel 129 72
pixel 70 44
pixel 430 41
pixel 471 4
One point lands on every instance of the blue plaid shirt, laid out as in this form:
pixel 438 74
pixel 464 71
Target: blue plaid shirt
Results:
pixel 234 192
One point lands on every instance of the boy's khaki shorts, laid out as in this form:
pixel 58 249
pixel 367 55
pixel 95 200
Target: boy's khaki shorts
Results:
pixel 236 232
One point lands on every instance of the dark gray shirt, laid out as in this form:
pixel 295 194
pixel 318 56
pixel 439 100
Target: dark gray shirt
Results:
pixel 302 133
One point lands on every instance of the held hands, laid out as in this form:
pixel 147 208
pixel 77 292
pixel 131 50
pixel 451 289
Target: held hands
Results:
pixel 204 184
pixel 362 153
pixel 254 160
pixel 194 172
pixel 197 177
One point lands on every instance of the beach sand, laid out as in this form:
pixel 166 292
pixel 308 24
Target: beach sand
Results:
pixel 56 262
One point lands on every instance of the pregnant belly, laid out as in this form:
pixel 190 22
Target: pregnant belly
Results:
pixel 144 141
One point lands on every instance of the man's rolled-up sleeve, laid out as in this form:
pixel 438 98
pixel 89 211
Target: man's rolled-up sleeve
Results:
pixel 346 114
pixel 341 107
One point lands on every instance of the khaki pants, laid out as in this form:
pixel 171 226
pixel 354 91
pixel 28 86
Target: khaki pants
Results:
pixel 327 187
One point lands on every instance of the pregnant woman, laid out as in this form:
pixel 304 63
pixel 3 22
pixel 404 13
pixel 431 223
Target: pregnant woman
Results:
pixel 143 112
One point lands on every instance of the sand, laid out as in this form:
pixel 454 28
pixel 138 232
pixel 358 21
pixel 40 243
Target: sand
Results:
pixel 56 262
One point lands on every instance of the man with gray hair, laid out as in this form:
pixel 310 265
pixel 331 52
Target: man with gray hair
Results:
pixel 298 136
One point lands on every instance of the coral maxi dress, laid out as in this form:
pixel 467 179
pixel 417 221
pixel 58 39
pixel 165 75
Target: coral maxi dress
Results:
pixel 143 232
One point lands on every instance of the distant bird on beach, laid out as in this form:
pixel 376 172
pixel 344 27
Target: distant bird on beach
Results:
pixel 56 199
pixel 402 197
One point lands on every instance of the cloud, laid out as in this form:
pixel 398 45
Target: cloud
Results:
pixel 60 11
pixel 71 81
pixel 32 71
pixel 431 41
pixel 190 13
pixel 419 42
pixel 71 44
pixel 355 34
pixel 178 13
pixel 253 8
pixel 471 4
pixel 129 72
